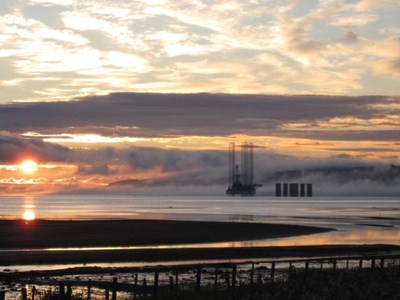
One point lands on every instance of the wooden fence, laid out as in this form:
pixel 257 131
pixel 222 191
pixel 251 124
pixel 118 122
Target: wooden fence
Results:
pixel 146 282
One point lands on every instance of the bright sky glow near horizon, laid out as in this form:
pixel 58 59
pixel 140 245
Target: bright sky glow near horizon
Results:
pixel 97 92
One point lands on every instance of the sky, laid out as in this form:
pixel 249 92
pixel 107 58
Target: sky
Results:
pixel 150 93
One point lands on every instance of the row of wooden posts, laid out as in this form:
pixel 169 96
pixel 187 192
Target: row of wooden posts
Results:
pixel 65 287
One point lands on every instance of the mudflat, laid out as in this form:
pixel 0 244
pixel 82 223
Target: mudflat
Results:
pixel 18 234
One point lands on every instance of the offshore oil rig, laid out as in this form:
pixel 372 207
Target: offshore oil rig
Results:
pixel 241 182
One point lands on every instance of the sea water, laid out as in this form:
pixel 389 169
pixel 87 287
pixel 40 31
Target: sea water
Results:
pixel 356 220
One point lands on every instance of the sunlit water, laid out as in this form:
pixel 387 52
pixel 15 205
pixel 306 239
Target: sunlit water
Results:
pixel 357 220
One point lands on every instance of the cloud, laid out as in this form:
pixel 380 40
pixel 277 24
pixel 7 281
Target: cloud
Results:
pixel 91 47
pixel 340 180
pixel 51 2
pixel 166 115
pixel 150 170
pixel 188 120
pixel 354 21
pixel 386 48
pixel 13 149
pixel 390 68
pixel 101 168
pixel 19 32
pixel 372 4
pixel 36 50
pixel 202 172
pixel 181 169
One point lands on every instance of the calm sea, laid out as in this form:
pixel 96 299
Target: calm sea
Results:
pixel 356 220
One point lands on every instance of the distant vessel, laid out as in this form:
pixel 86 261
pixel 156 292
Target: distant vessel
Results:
pixel 241 182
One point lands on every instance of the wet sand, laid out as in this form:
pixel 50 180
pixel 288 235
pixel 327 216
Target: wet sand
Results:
pixel 17 234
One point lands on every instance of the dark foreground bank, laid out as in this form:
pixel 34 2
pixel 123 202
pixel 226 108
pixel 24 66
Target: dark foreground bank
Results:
pixel 186 254
pixel 62 234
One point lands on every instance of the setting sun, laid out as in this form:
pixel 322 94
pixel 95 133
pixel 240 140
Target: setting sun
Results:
pixel 28 215
pixel 28 166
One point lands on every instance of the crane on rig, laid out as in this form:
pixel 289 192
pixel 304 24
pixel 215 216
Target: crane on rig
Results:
pixel 241 180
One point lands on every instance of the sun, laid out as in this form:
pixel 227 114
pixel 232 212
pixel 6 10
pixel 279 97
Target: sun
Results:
pixel 28 215
pixel 28 166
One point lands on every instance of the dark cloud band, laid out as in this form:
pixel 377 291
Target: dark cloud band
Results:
pixel 151 115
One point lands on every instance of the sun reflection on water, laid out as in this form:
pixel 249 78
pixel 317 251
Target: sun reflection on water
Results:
pixel 28 213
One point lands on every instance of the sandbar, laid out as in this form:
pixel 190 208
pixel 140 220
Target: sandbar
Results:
pixel 39 234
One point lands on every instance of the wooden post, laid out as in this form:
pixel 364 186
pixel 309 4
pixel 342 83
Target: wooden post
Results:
pixel 290 270
pixel 176 280
pixel 33 293
pixel 334 264
pixel 171 283
pixel 373 263
pixel 216 279
pixel 227 280
pixel 69 292
pixel 62 290
pixel 272 272
pixel 155 289
pixel 135 284
pixel 382 262
pixel 347 264
pixel 2 295
pixel 252 275
pixel 259 280
pixel 198 279
pixel 23 294
pixel 322 265
pixel 144 287
pixel 233 276
pixel 114 288
pixel 107 294
pixel 361 264
pixel 306 266
pixel 89 290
